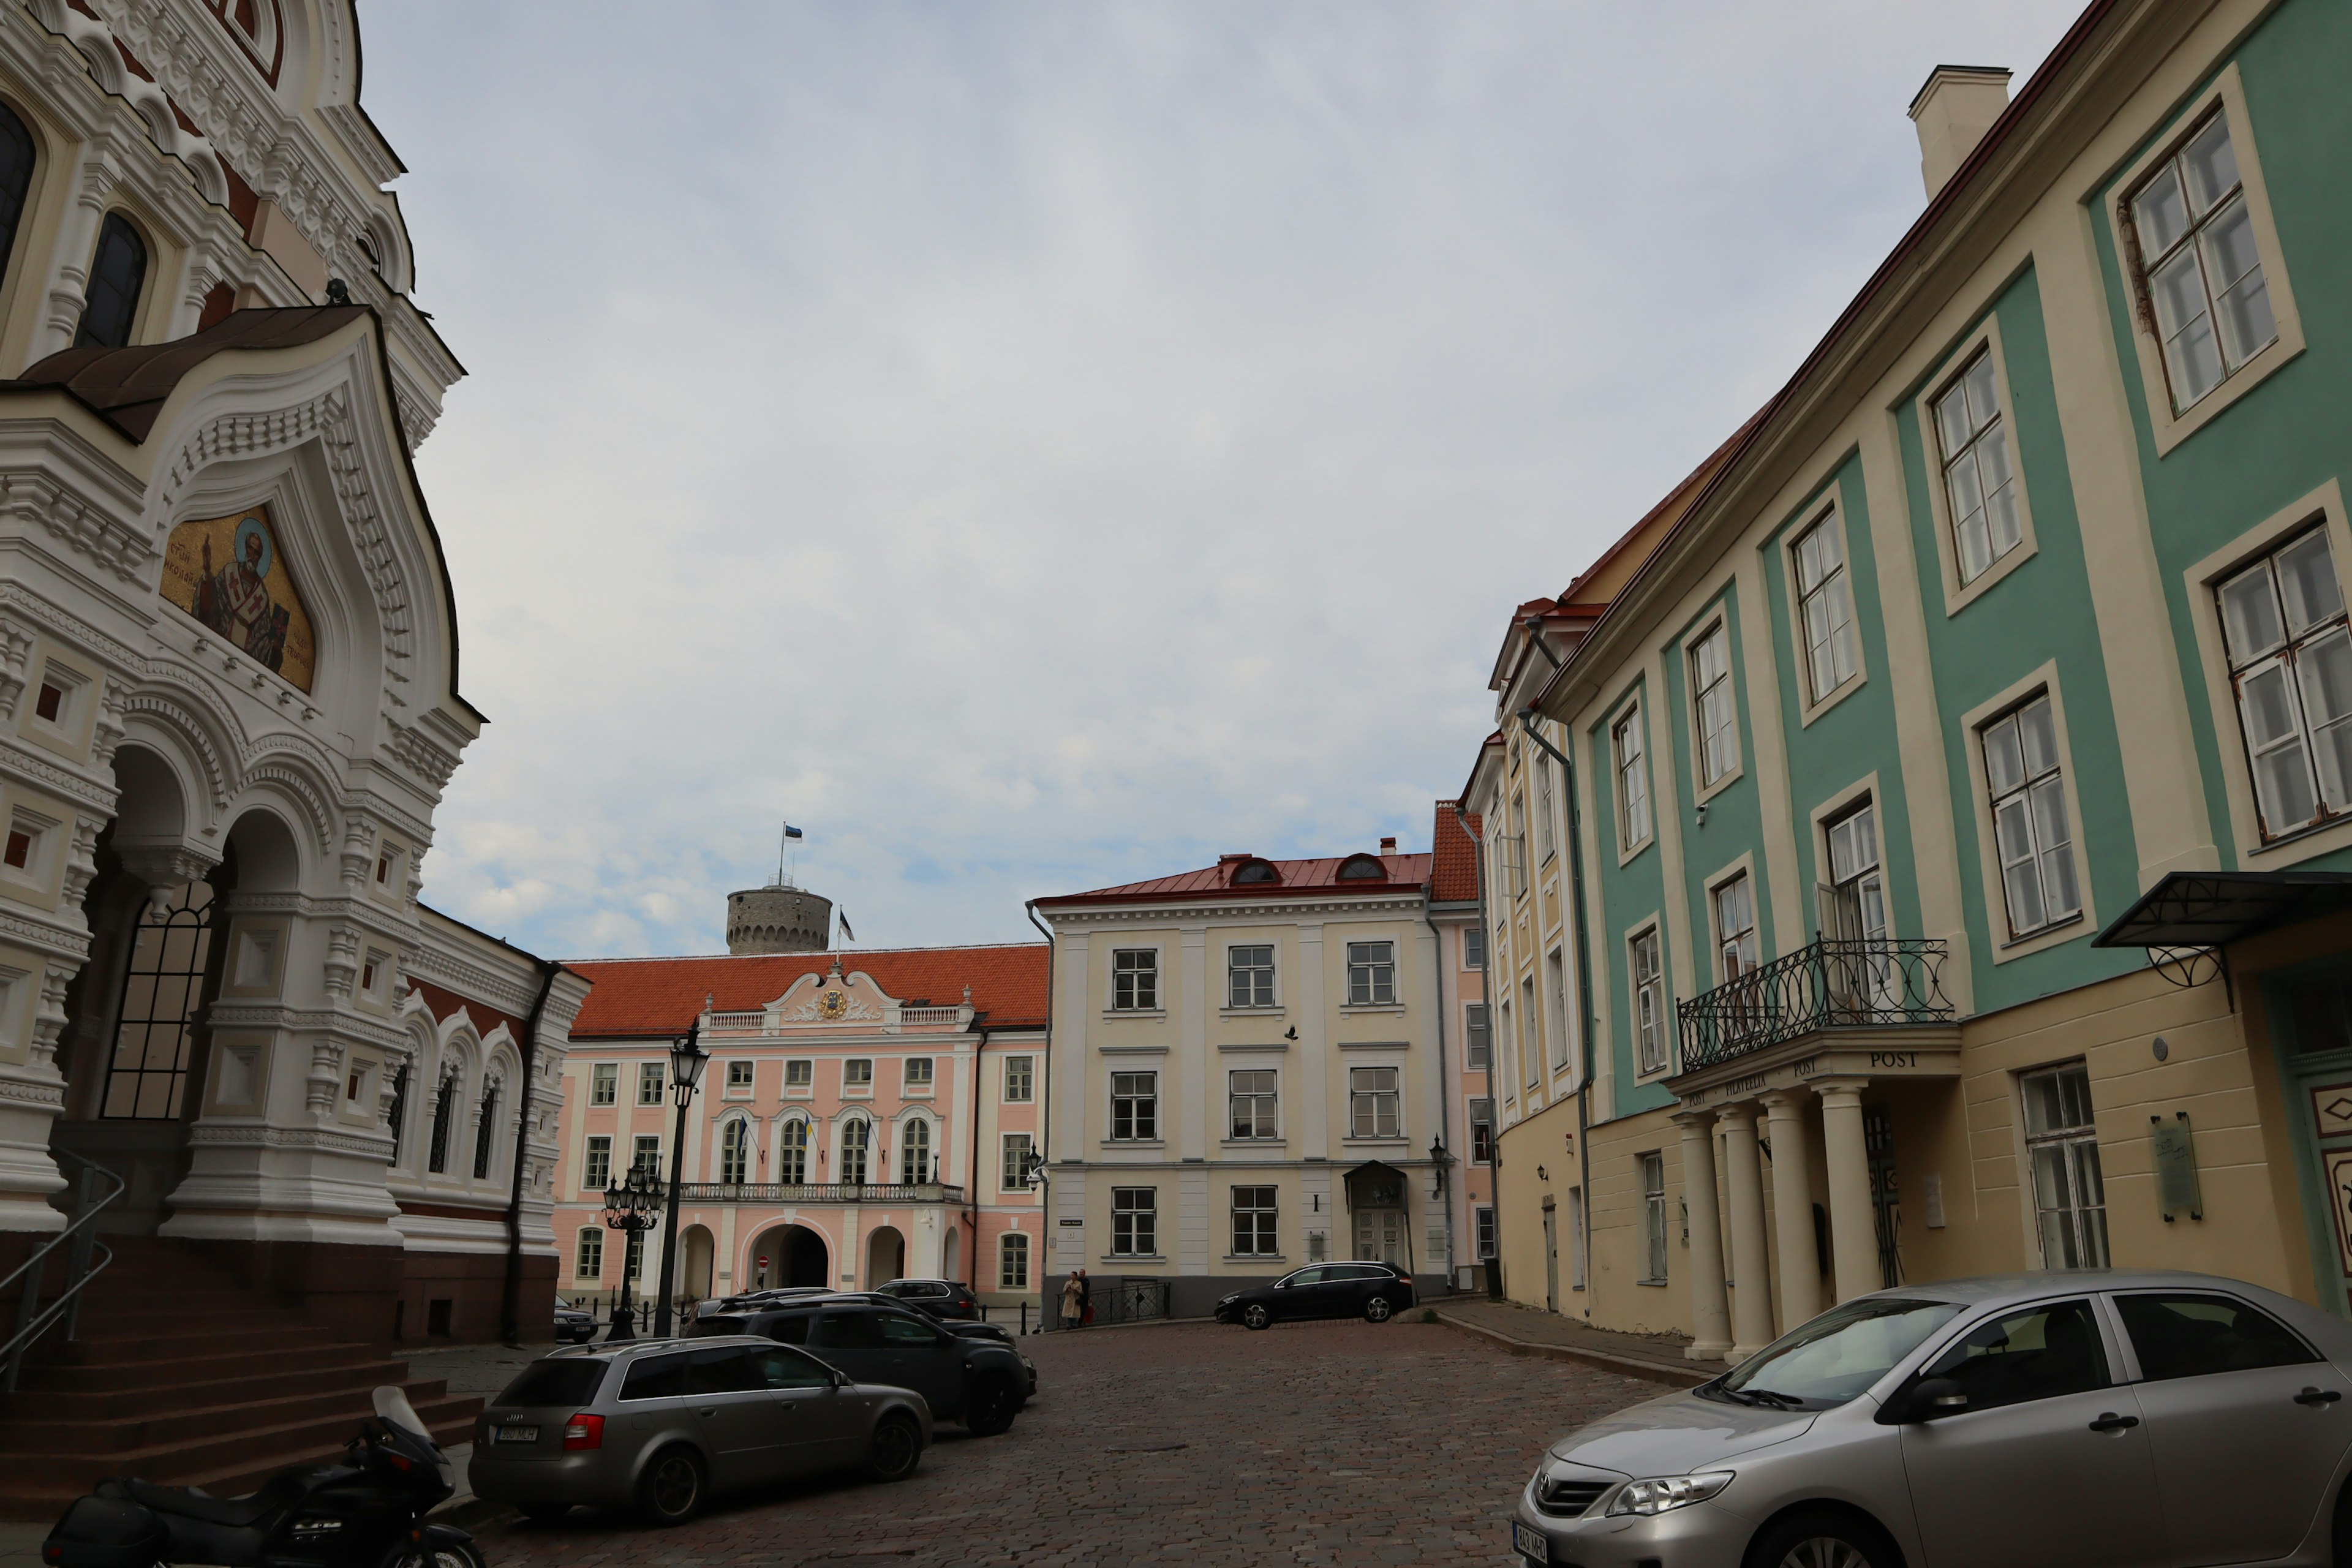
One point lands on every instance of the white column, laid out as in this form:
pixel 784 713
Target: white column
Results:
pixel 1793 1206
pixel 1854 1232
pixel 1710 1308
pixel 1751 1322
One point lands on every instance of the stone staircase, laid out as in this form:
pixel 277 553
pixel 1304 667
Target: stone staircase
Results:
pixel 180 1374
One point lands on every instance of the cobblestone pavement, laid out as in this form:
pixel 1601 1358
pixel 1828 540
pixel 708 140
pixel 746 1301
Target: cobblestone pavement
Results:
pixel 1309 1444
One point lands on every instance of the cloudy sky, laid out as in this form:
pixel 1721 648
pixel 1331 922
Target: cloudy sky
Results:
pixel 1041 445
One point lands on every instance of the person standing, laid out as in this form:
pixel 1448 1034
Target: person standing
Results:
pixel 1073 1298
pixel 1085 1297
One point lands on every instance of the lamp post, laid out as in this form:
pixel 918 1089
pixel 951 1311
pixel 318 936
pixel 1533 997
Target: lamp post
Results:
pixel 687 1061
pixel 1441 1161
pixel 629 1210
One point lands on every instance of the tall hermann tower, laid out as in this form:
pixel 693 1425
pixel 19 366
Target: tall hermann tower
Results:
pixel 778 918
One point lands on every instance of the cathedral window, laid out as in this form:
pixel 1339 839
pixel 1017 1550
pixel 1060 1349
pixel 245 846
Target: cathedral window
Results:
pixel 486 1134
pixel 445 1111
pixel 117 274
pixel 16 178
pixel 162 992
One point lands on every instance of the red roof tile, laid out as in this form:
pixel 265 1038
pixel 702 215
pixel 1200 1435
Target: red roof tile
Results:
pixel 1214 881
pixel 640 997
pixel 1456 879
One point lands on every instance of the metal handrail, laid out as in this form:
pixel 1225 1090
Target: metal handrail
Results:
pixel 1825 984
pixel 80 1240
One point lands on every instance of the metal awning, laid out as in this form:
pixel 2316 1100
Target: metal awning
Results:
pixel 2212 908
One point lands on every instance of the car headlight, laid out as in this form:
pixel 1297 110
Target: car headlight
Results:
pixel 1664 1493
pixel 1230 1300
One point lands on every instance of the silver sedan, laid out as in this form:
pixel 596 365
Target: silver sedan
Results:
pixel 2077 1420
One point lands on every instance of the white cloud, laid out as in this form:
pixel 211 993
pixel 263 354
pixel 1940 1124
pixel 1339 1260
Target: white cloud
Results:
pixel 1037 445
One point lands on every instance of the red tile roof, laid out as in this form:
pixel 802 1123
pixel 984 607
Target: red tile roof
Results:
pixel 1215 881
pixel 1456 879
pixel 642 997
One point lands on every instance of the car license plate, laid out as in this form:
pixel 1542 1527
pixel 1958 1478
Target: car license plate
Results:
pixel 1531 1544
pixel 517 1434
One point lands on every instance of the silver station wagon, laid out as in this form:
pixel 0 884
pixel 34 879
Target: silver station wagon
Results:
pixel 2077 1420
pixel 663 1423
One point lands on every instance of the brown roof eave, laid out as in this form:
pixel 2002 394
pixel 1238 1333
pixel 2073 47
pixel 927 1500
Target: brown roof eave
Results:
pixel 2037 87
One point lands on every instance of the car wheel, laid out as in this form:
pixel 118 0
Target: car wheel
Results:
pixel 1823 1540
pixel 671 1489
pixel 544 1513
pixel 994 1404
pixel 1255 1316
pixel 892 1452
pixel 1377 1310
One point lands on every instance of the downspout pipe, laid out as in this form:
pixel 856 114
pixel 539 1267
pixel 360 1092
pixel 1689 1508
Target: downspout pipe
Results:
pixel 1527 717
pixel 510 1294
pixel 1045 1232
pixel 1494 1140
pixel 971 1191
pixel 1445 1103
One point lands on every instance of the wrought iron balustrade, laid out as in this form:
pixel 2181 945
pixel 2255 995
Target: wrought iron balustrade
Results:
pixel 819 1193
pixel 1825 984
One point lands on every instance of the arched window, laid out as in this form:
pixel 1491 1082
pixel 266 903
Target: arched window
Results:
pixel 16 179
pixel 162 991
pixel 399 1110
pixel 734 1152
pixel 117 273
pixel 486 1133
pixel 856 1137
pixel 1255 871
pixel 1363 868
pixel 915 1152
pixel 445 1112
pixel 1012 1267
pixel 793 1170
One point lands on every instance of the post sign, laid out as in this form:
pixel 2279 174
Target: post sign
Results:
pixel 763 1262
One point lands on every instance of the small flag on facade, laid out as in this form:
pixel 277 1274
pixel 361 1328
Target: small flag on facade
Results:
pixel 847 934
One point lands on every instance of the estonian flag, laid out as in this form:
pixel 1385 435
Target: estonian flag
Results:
pixel 847 934
pixel 792 832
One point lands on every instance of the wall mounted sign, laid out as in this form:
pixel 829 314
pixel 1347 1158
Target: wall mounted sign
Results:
pixel 2176 1167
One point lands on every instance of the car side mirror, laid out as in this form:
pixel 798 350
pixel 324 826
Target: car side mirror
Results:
pixel 840 1379
pixel 1282 1284
pixel 1935 1396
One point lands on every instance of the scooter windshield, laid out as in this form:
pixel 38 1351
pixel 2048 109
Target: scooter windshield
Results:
pixel 391 1405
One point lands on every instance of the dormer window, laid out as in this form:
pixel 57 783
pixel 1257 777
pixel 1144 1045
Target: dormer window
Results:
pixel 1254 871
pixel 1363 868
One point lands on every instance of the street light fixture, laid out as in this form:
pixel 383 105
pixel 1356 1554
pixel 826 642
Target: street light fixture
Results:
pixel 1442 1159
pixel 687 1061
pixel 629 1205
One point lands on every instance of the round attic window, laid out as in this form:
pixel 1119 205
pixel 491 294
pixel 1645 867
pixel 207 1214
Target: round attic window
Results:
pixel 1255 871
pixel 1363 868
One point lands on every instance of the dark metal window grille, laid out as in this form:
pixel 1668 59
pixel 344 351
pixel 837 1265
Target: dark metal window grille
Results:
pixel 445 1111
pixel 486 1133
pixel 1885 1198
pixel 399 1108
pixel 117 274
pixel 171 953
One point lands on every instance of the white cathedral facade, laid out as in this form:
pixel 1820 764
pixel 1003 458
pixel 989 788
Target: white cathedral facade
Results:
pixel 229 693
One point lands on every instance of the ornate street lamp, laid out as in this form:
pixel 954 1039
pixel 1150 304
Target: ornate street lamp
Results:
pixel 629 1205
pixel 1441 1161
pixel 687 1061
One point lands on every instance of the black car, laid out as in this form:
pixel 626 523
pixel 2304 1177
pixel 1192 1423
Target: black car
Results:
pixel 1372 1292
pixel 980 1381
pixel 573 1325
pixel 940 1298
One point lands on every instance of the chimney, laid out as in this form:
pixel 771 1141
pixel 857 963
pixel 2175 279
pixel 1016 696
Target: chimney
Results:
pixel 1953 111
pixel 1387 846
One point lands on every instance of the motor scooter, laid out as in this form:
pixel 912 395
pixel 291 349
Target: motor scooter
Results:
pixel 367 1512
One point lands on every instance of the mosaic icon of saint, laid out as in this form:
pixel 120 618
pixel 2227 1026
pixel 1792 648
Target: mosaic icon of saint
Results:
pixel 235 601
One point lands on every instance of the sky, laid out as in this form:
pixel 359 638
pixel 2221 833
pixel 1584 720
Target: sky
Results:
pixel 1038 446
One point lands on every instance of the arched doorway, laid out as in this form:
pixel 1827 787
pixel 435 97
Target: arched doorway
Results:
pixel 795 1254
pixel 695 1252
pixel 885 1256
pixel 952 1256
pixel 1379 1215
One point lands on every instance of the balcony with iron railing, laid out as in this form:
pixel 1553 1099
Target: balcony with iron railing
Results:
pixel 1867 994
pixel 819 1193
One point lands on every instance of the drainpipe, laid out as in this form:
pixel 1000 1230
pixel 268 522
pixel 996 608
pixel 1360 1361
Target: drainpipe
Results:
pixel 978 1088
pixel 1444 1123
pixel 1045 1230
pixel 1527 717
pixel 1494 1143
pixel 510 1297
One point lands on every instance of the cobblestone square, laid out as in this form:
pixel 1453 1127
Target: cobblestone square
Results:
pixel 1310 1443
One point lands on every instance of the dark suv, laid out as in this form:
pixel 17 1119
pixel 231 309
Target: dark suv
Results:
pixel 940 1298
pixel 1372 1292
pixel 981 1383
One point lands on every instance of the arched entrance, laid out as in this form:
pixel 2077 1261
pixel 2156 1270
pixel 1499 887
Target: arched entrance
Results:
pixel 952 1255
pixel 1379 1215
pixel 695 1252
pixel 795 1254
pixel 885 1256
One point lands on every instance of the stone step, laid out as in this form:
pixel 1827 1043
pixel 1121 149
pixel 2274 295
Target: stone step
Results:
pixel 170 1419
pixel 74 1402
pixel 187 1369
pixel 264 1450
pixel 110 1346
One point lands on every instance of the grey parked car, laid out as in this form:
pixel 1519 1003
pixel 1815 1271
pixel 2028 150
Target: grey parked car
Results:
pixel 981 1382
pixel 2077 1420
pixel 665 1423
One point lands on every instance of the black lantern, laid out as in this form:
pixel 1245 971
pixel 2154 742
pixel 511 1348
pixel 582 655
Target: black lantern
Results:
pixel 631 1208
pixel 1442 1162
pixel 687 1061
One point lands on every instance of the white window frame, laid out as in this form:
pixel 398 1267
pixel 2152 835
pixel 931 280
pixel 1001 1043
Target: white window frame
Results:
pixel 1020 1080
pixel 855 1133
pixel 1628 761
pixel 911 1082
pixel 857 1078
pixel 1134 987
pixel 1474 947
pixel 2226 93
pixel 1012 1245
pixel 596 1164
pixel 785 1148
pixel 2047 862
pixel 1547 836
pixel 1738 948
pixel 1975 449
pixel 1984 343
pixel 603 1083
pixel 1141 1102
pixel 1832 638
pixel 1133 1222
pixel 1483 1220
pixel 1372 972
pixel 915 1137
pixel 1714 708
pixel 1555 970
pixel 2043 681
pixel 799 1078
pixel 1482 1114
pixel 1368 1097
pixel 653 1082
pixel 644 1147
pixel 1244 982
pixel 2282 662
pixel 588 1254
pixel 1012 1170
pixel 737 1130
pixel 1266 1127
pixel 1645 991
pixel 1477 1037
pixel 746 1070
pixel 1265 1221
pixel 2073 1148
pixel 1655 1249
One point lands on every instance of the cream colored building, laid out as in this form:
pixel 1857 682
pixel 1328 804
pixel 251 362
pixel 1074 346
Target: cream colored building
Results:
pixel 1246 1076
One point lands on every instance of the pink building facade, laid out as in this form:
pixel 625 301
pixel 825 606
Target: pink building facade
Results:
pixel 864 1117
